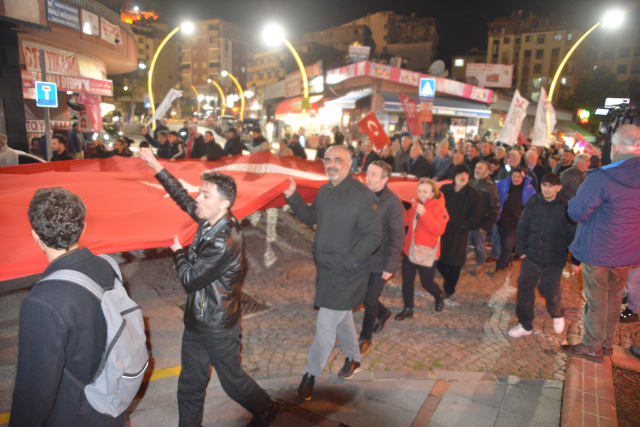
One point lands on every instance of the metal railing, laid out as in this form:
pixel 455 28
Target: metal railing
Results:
pixel 100 9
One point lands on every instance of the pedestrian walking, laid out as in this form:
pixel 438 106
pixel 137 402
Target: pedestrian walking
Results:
pixel 426 221
pixel 76 143
pixel 464 206
pixel 543 237
pixel 490 211
pixel 348 231
pixel 211 270
pixel 607 241
pixel 385 259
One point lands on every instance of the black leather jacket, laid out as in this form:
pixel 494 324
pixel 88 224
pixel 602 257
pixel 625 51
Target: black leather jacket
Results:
pixel 211 269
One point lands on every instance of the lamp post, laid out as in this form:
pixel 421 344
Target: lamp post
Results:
pixel 224 105
pixel 225 74
pixel 197 97
pixel 274 35
pixel 187 28
pixel 611 20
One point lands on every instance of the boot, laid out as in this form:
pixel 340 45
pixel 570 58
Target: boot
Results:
pixel 406 313
pixel 440 302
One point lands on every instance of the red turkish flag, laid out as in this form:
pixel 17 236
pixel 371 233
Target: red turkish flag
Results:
pixel 92 106
pixel 410 108
pixel 127 208
pixel 374 130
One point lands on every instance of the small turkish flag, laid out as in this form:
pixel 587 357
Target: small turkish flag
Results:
pixel 374 130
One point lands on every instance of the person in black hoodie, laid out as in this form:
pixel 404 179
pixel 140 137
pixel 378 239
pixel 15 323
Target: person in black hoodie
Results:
pixel 211 150
pixel 62 327
pixel 233 146
pixel 178 150
pixel 544 234
pixel 464 205
pixel 161 143
pixel 295 146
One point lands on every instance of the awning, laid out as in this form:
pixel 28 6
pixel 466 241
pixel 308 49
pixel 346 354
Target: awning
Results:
pixel 392 101
pixel 442 106
pixel 293 107
pixel 570 129
pixel 349 100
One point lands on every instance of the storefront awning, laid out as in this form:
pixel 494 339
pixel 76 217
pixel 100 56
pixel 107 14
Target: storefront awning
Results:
pixel 349 100
pixel 442 106
pixel 293 107
pixel 570 129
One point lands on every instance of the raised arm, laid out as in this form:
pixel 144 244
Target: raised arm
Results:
pixel 303 211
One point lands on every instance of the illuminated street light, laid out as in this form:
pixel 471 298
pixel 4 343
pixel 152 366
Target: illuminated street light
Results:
pixel 142 65
pixel 248 94
pixel 126 88
pixel 613 19
pixel 197 97
pixel 274 35
pixel 71 93
pixel 200 98
pixel 136 8
pixel 224 106
pixel 225 74
pixel 187 28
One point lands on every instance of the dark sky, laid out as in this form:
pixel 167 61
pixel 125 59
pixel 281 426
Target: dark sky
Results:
pixel 461 24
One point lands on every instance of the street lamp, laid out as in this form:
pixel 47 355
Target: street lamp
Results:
pixel 187 28
pixel 225 74
pixel 142 65
pixel 273 35
pixel 224 106
pixel 611 19
pixel 197 97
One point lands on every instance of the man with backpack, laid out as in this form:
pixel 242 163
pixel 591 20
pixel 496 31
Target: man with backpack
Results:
pixel 211 269
pixel 63 330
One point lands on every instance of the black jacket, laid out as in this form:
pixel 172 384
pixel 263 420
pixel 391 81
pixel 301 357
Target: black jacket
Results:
pixel 401 158
pixel 472 163
pixel 464 209
pixel 163 150
pixel 348 231
pixel 213 151
pixel 545 231
pixel 159 128
pixel 367 159
pixel 298 150
pixel 211 269
pixel 61 326
pixel 233 146
pixel 198 149
pixel 392 219
pixel 62 156
pixel 103 153
pixel 420 167
pixel 178 151
pixel 490 202
pixel 539 172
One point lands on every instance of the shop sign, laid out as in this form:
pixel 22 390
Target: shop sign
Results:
pixel 380 71
pixel 426 111
pixel 110 32
pixel 358 53
pixel 63 14
pixel 68 83
pixel 57 61
pixel 37 126
pixel 491 75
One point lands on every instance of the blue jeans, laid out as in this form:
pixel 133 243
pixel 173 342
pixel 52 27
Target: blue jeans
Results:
pixel 478 237
pixel 495 242
pixel 507 242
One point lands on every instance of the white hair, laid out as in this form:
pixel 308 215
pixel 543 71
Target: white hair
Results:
pixel 501 148
pixel 582 157
pixel 534 152
pixel 627 139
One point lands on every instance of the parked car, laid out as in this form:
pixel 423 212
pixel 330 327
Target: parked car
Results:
pixel 28 159
pixel 223 123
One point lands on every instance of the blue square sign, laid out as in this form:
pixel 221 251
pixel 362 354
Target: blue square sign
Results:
pixel 46 95
pixel 427 88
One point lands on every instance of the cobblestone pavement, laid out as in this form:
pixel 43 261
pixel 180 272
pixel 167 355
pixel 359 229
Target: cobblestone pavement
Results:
pixel 470 334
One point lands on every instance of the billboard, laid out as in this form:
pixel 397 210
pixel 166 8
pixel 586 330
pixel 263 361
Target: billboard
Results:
pixel 491 75
pixel 358 53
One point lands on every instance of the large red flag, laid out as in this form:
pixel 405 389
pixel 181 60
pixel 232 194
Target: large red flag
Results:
pixel 410 108
pixel 374 130
pixel 92 106
pixel 127 209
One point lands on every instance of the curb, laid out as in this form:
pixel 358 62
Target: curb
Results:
pixel 588 398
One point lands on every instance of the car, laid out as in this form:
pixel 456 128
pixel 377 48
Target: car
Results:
pixel 28 159
pixel 223 123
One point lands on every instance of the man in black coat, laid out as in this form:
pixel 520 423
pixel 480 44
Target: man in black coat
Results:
pixel 161 126
pixel 385 259
pixel 416 165
pixel 211 270
pixel 161 142
pixel 296 147
pixel 404 153
pixel 472 158
pixel 210 150
pixel 119 149
pixel 61 324
pixel 233 146
pixel 59 149
pixel 464 205
pixel 544 234
pixel 368 156
pixel 177 149
pixel 348 231
pixel 76 143
pixel 533 168
pixel 490 211
pixel 183 133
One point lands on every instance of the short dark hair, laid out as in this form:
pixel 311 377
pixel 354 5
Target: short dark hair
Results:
pixel 57 216
pixel 492 161
pixel 256 130
pixel 164 133
pixel 174 133
pixel 210 132
pixel 386 169
pixel 61 139
pixel 225 184
pixel 339 140
pixel 144 144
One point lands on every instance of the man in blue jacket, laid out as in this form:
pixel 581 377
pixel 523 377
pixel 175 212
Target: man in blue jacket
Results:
pixel 607 208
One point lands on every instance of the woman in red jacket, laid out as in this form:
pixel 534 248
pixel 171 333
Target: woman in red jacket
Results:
pixel 431 219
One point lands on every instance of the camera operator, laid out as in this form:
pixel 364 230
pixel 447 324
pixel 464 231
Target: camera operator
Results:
pixel 607 241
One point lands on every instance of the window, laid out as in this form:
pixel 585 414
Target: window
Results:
pixel 516 57
pixel 244 70
pixel 607 54
pixel 527 39
pixel 569 36
pixel 539 53
pixel 537 68
pixel 635 68
pixel 555 51
pixel 625 52
pixel 204 65
pixel 505 57
pixel 518 40
pixel 195 78
pixel 210 39
pixel 269 75
pixel 535 83
pixel 194 53
pixel 140 51
pixel 525 68
pixel 195 66
pixel 212 64
pixel 459 62
pixel 140 39
pixel 507 40
pixel 622 69
pixel 535 96
pixel 356 31
pixel 186 66
pixel 540 39
pixel 527 54
pixel 557 36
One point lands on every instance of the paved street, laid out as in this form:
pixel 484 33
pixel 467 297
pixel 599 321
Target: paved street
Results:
pixel 450 367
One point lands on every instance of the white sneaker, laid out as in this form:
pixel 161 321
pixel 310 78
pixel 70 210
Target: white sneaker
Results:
pixel 519 331
pixel 558 325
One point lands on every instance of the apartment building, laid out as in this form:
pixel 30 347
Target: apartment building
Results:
pixel 459 63
pixel 619 49
pixel 342 37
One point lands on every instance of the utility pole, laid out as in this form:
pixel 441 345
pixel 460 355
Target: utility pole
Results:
pixel 47 132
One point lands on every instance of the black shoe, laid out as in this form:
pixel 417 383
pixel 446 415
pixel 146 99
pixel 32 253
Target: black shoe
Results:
pixel 635 350
pixel 381 323
pixel 305 389
pixel 625 299
pixel 607 351
pixel 350 367
pixel 365 345
pixel 440 302
pixel 628 316
pixel 448 296
pixel 406 313
pixel 265 419
pixel 583 352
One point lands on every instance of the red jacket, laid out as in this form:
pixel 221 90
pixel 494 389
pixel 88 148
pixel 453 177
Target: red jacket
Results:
pixel 430 225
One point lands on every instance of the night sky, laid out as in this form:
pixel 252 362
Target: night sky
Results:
pixel 461 24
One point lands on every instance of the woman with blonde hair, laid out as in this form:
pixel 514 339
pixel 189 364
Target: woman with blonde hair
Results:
pixel 427 219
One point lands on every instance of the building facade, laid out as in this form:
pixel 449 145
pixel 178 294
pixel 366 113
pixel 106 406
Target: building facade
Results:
pixel 342 37
pixel 459 63
pixel 618 50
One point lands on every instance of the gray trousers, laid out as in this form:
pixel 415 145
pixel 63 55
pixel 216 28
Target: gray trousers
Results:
pixel 329 324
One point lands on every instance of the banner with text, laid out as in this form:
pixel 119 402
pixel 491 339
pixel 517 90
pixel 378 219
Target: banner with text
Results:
pixel 110 32
pixel 60 13
pixel 491 75
pixel 69 83
pixel 57 61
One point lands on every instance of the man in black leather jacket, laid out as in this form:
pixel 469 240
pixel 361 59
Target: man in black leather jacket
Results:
pixel 211 270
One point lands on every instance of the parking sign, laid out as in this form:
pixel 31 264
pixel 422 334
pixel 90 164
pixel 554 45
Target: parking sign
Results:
pixel 46 95
pixel 427 88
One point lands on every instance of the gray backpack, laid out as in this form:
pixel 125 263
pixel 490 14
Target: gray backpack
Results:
pixel 125 357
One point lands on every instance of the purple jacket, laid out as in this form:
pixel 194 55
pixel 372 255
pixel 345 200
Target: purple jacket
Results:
pixel 607 210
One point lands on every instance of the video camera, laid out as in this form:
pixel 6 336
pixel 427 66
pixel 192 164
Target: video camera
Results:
pixel 618 112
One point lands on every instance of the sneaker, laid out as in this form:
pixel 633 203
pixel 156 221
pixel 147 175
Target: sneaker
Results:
pixel 558 325
pixel 305 389
pixel 381 323
pixel 479 270
pixel 628 316
pixel 365 345
pixel 265 419
pixel 518 331
pixel 350 367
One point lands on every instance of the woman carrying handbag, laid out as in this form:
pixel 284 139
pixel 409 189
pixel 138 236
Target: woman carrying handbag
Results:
pixel 427 220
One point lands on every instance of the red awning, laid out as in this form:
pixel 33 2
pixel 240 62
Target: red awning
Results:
pixel 293 106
